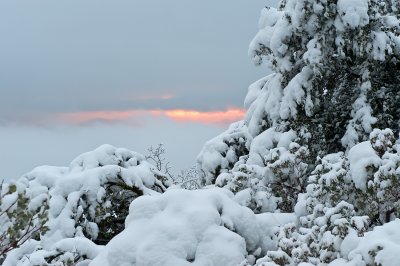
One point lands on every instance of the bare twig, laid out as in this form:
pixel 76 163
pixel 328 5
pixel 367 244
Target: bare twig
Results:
pixel 156 156
pixel 9 207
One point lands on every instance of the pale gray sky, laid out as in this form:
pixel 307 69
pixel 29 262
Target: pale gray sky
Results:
pixel 83 57
pixel 78 55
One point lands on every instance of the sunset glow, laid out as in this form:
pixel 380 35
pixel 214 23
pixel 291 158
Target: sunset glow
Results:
pixel 223 117
pixel 212 117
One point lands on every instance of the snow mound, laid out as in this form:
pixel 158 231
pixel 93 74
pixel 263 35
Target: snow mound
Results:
pixel 203 227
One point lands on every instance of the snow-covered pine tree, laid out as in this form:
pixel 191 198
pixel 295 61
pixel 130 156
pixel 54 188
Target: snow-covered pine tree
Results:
pixel 335 66
pixel 336 63
pixel 87 203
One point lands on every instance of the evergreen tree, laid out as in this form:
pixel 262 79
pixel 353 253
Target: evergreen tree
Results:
pixel 334 78
pixel 335 63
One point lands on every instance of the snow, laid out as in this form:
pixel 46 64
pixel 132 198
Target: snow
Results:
pixel 353 13
pixel 300 209
pixel 9 201
pixel 360 157
pixel 269 223
pixel 391 21
pixel 361 114
pixel 243 197
pixel 84 245
pixel 207 228
pixel 380 45
pixel 105 155
pixel 349 243
pixel 266 141
pixel 254 91
pixel 378 247
pixel 294 93
pixel 268 102
pixel 313 54
pixel 384 240
pixel 15 257
pixel 218 153
pixel 270 34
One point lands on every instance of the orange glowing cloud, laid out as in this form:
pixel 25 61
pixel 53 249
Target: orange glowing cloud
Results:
pixel 178 115
pixel 212 117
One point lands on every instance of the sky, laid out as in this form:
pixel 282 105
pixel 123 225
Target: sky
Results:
pixel 75 74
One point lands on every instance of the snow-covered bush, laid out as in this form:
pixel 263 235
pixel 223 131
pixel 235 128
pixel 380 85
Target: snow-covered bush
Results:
pixel 20 220
pixel 181 227
pixel 87 203
pixel 347 195
pixel 386 180
pixel 268 177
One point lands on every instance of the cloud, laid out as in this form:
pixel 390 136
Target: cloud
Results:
pixel 220 117
pixel 212 117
